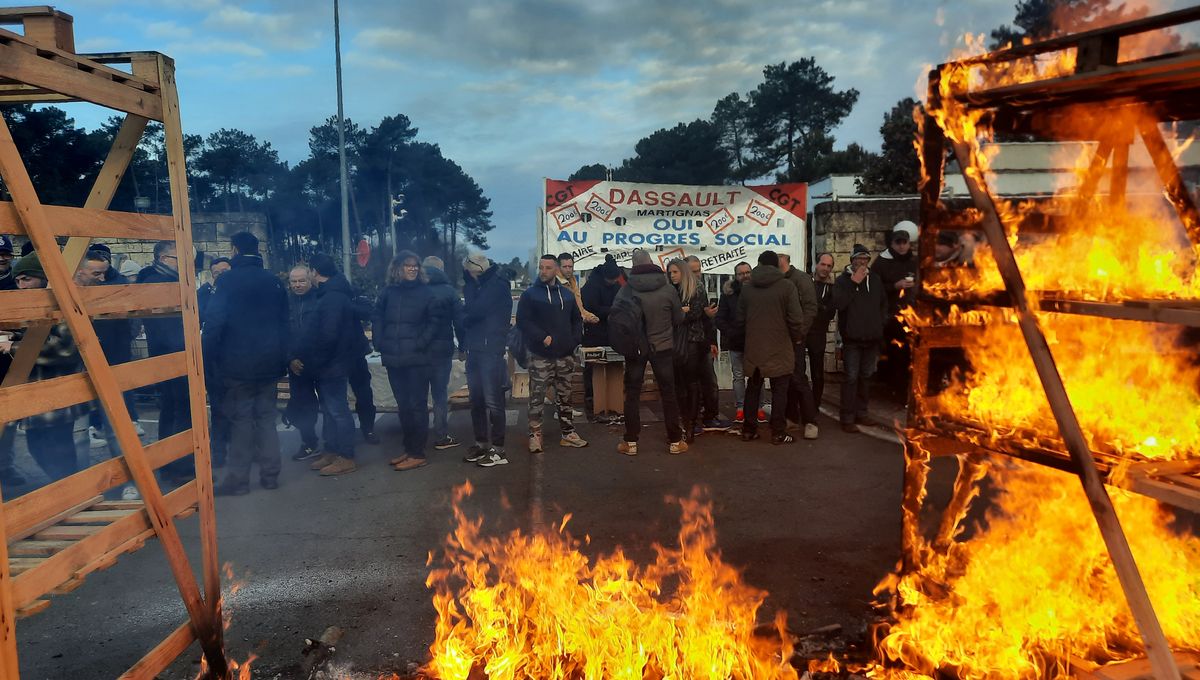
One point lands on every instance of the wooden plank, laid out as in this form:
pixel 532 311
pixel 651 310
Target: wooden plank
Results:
pixel 68 533
pixel 17 527
pixel 9 669
pixel 34 548
pixel 28 514
pixel 98 546
pixel 20 565
pixel 165 652
pixel 1162 489
pixel 47 395
pixel 70 80
pixel 1155 641
pixel 1172 179
pixel 35 607
pixel 122 300
pixel 100 72
pixel 120 505
pixel 92 222
pixel 210 632
pixel 97 516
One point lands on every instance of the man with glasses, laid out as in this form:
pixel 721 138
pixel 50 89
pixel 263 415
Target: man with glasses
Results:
pixel 897 267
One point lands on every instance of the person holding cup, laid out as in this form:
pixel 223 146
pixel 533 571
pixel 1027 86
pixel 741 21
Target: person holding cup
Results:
pixel 897 268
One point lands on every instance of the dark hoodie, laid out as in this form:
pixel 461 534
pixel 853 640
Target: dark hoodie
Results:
pixel 598 295
pixel 770 315
pixel 164 334
pixel 486 312
pixel 661 308
pixel 732 337
pixel 862 307
pixel 246 333
pixel 549 309
pixel 449 324
pixel 892 267
pixel 331 335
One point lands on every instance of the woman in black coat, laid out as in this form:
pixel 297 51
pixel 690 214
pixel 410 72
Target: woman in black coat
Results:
pixel 405 320
pixel 691 343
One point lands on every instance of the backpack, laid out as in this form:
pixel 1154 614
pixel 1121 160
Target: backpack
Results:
pixel 626 329
pixel 516 347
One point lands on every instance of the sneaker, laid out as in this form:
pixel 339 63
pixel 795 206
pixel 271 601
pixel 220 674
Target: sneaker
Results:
pixel 572 440
pixel 475 453
pixel 715 425
pixel 782 439
pixel 576 414
pixel 493 458
pixel 535 442
pixel 444 443
pixel 811 431
pixel 323 460
pixel 130 493
pixel 627 448
pixel 762 416
pixel 740 415
pixel 339 466
pixel 137 427
pixel 305 453
pixel 677 448
pixel 95 440
pixel 410 463
pixel 850 428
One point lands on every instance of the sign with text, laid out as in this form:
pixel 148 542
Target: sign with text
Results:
pixel 721 225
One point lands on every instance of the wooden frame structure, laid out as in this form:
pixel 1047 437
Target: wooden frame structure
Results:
pixel 1162 88
pixel 55 536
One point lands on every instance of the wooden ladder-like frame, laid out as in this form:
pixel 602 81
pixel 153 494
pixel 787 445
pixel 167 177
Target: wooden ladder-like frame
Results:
pixel 55 536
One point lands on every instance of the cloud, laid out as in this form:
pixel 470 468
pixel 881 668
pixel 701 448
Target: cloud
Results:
pixel 167 30
pixel 98 44
pixel 280 30
pixel 211 46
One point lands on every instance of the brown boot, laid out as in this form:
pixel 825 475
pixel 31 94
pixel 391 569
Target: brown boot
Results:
pixel 325 459
pixel 340 466
pixel 409 463
pixel 398 460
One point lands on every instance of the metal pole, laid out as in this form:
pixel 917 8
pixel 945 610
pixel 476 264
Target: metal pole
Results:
pixel 341 121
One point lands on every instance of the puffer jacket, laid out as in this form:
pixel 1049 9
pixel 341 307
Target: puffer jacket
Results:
pixel 245 334
pixel 404 324
pixel 661 309
pixel 808 295
pixel 332 335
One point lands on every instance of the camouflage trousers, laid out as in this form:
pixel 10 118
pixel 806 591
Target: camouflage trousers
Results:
pixel 550 374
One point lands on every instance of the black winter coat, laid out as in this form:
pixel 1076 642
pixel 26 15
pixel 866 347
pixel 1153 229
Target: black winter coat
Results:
pixel 332 336
pixel 246 335
pixel 661 309
pixel 405 322
pixel 891 268
pixel 115 335
pixel 733 338
pixel 862 308
pixel 299 308
pixel 598 298
pixel 549 310
pixel 449 323
pixel 694 318
pixel 825 309
pixel 164 334
pixel 486 312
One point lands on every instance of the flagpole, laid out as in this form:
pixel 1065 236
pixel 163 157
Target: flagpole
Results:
pixel 341 122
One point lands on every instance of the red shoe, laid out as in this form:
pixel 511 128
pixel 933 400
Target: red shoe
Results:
pixel 762 416
pixel 740 416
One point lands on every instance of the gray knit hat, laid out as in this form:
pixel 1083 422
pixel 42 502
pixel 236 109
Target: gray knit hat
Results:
pixel 477 263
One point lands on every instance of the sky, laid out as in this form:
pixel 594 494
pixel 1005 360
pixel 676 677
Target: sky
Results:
pixel 518 90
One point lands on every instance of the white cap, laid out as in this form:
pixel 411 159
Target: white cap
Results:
pixel 130 268
pixel 908 227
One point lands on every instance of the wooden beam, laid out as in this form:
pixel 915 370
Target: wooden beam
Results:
pixel 70 80
pixel 77 61
pixel 19 523
pixel 916 472
pixel 124 300
pixel 1157 648
pixel 1172 179
pixel 9 669
pixel 95 223
pixel 972 468
pixel 211 636
pixel 165 652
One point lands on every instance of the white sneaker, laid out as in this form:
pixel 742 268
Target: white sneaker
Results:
pixel 95 440
pixel 572 440
pixel 139 429
pixel 811 431
pixel 130 493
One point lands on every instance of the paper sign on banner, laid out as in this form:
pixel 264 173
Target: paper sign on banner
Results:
pixel 760 212
pixel 664 259
pixel 566 215
pixel 719 220
pixel 598 207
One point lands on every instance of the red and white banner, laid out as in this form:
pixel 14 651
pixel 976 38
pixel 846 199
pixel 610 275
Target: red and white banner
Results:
pixel 721 225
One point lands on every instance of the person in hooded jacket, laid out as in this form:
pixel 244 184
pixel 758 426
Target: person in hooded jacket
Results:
pixel 897 268
pixel 441 350
pixel 245 342
pixel 770 315
pixel 733 340
pixel 598 293
pixel 329 344
pixel 552 325
pixel 691 344
pixel 407 317
pixel 487 311
pixel 862 308
pixel 818 335
pixel 661 313
pixel 802 406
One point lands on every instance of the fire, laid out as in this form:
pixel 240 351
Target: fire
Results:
pixel 533 606
pixel 1035 588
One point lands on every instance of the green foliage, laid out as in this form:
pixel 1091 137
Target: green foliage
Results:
pixel 897 170
pixel 689 153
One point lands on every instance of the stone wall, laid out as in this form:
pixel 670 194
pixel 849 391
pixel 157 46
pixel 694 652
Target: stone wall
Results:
pixel 210 234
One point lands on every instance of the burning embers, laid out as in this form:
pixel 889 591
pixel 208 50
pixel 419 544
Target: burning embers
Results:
pixel 533 606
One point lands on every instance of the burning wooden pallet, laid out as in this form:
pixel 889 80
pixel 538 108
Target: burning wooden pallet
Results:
pixel 1088 90
pixel 56 536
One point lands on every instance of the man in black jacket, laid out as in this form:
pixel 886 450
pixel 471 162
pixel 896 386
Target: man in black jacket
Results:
pixel 164 335
pixel 817 338
pixel 552 325
pixel 441 350
pixel 245 341
pixel 302 409
pixel 6 262
pixel 732 338
pixel 862 307
pixel 897 269
pixel 485 320
pixel 598 294
pixel 327 348
pixel 205 293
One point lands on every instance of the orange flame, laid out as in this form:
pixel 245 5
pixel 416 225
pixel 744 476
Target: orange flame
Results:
pixel 533 606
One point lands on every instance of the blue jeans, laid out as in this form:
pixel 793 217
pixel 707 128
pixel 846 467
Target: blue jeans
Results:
pixel 739 379
pixel 439 390
pixel 410 386
pixel 338 423
pixel 859 360
pixel 487 373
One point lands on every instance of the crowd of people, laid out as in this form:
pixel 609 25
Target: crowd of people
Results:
pixel 257 329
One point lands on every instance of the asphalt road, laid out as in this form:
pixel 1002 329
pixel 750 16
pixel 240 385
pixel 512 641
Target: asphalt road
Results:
pixel 816 524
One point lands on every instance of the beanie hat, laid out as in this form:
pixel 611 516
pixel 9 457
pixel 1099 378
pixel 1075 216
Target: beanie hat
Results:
pixel 30 265
pixel 859 251
pixel 477 263
pixel 6 244
pixel 905 227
